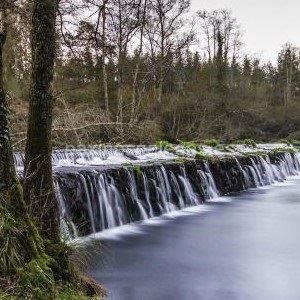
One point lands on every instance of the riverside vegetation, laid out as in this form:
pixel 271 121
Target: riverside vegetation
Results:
pixel 141 71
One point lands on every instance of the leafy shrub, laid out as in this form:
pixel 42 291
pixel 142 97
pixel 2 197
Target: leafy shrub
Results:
pixel 250 142
pixel 164 145
pixel 201 156
pixel 211 143
pixel 191 145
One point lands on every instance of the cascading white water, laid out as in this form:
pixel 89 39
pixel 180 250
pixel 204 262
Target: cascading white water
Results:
pixel 101 156
pixel 245 175
pixel 135 196
pixel 164 190
pixel 102 199
pixel 67 227
pixel 177 190
pixel 147 195
pixel 209 182
pixel 189 193
pixel 85 180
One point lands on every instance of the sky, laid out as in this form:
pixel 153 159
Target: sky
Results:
pixel 266 24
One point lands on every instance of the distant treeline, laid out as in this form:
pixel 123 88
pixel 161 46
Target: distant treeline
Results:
pixel 149 70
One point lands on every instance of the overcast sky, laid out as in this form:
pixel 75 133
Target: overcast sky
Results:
pixel 266 24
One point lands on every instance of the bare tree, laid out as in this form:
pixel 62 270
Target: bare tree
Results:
pixel 165 33
pixel 222 33
pixel 288 65
pixel 138 58
pixel 125 20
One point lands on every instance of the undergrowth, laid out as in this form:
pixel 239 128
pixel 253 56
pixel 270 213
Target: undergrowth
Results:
pixel 164 145
pixel 211 143
pixel 35 268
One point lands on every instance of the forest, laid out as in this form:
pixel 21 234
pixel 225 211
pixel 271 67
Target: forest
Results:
pixel 124 68
pixel 74 74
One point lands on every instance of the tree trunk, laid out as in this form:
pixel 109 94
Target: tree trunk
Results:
pixel 38 185
pixel 7 169
pixel 10 191
pixel 20 234
pixel 133 117
pixel 120 87
pixel 104 72
pixel 134 92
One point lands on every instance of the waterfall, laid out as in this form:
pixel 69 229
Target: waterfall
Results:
pixel 246 178
pixel 93 196
pixel 209 185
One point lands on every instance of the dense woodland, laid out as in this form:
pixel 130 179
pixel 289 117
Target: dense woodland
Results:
pixel 136 71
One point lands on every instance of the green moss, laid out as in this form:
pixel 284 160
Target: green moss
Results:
pixel 250 142
pixel 138 171
pixel 181 160
pixel 255 153
pixel 223 158
pixel 284 150
pixel 291 142
pixel 191 145
pixel 201 156
pixel 164 145
pixel 36 278
pixel 32 267
pixel 71 293
pixel 211 143
pixel 295 143
pixel 286 141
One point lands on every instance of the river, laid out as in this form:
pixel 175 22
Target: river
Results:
pixel 245 246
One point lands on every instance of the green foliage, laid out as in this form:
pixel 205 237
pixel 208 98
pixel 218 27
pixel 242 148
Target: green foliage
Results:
pixel 284 150
pixel 71 293
pixel 11 246
pixel 255 153
pixel 286 141
pixel 250 142
pixel 164 145
pixel 181 160
pixel 201 156
pixel 18 239
pixel 36 278
pixel 138 171
pixel 291 142
pixel 211 143
pixel 191 145
pixel 33 268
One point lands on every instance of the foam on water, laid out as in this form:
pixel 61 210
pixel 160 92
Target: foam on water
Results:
pixel 138 228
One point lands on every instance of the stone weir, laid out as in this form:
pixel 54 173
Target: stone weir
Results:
pixel 95 195
pixel 104 188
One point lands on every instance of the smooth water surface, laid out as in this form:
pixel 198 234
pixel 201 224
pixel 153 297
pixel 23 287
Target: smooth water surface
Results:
pixel 246 248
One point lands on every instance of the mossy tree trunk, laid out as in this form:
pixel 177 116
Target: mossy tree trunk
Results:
pixel 34 263
pixel 38 181
pixel 19 241
pixel 9 183
pixel 7 170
